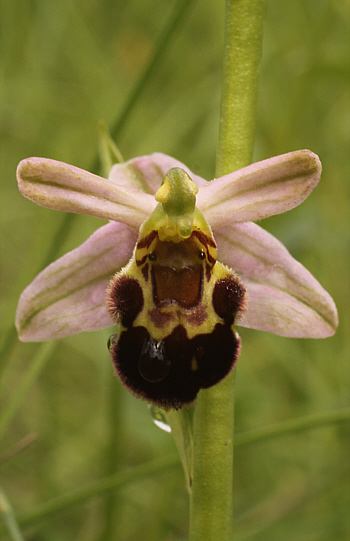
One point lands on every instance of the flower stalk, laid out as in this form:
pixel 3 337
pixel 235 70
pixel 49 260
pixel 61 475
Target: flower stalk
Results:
pixel 239 91
pixel 211 512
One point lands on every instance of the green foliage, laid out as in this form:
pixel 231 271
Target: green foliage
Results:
pixel 65 67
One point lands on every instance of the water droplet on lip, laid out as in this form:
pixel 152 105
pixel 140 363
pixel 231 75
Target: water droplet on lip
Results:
pixel 112 340
pixel 159 419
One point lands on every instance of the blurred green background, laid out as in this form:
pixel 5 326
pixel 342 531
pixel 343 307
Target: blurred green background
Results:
pixel 67 65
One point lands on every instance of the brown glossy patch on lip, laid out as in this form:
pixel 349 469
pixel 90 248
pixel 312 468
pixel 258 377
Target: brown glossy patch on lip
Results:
pixel 170 373
pixel 125 299
pixel 183 286
pixel 185 253
pixel 160 318
pixel 154 363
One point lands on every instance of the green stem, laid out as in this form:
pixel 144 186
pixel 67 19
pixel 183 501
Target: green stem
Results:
pixel 211 495
pixel 239 92
pixel 211 513
pixel 9 518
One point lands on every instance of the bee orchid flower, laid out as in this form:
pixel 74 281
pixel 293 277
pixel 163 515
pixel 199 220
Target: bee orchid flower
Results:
pixel 161 267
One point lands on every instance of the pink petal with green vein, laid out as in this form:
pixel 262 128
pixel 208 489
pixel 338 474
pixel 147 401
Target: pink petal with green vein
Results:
pixel 284 297
pixel 146 173
pixel 68 297
pixel 260 190
pixel 60 186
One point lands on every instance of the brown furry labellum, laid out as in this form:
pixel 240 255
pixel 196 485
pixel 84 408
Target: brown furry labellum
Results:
pixel 175 304
pixel 176 320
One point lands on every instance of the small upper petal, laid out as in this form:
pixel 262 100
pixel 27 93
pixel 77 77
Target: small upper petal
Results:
pixel 68 297
pixel 260 190
pixel 284 297
pixel 60 186
pixel 146 173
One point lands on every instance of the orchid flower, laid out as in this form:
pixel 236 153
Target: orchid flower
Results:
pixel 277 293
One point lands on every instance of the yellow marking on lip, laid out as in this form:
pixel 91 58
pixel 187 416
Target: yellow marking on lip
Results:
pixel 194 364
